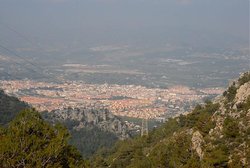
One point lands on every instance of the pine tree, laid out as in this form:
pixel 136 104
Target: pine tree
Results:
pixel 29 141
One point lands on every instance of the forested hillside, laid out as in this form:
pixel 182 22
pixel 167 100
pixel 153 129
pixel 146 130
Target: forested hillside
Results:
pixel 29 141
pixel 88 138
pixel 90 128
pixel 9 107
pixel 26 140
pixel 216 134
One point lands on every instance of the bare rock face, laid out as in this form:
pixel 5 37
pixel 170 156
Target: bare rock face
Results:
pixel 242 93
pixel 219 126
pixel 197 141
pixel 80 118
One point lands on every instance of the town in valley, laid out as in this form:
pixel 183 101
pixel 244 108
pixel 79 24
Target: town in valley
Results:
pixel 122 100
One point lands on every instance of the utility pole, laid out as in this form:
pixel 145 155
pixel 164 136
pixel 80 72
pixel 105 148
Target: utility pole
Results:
pixel 144 127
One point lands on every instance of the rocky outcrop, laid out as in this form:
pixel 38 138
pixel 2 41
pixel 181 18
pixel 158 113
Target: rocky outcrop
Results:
pixel 231 120
pixel 78 118
pixel 197 141
pixel 238 110
pixel 242 93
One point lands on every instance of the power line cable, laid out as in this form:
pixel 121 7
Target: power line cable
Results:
pixel 17 55
pixel 29 69
pixel 18 33
pixel 23 58
pixel 17 63
pixel 6 74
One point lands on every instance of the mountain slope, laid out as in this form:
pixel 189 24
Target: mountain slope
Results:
pixel 26 140
pixel 9 107
pixel 91 129
pixel 29 141
pixel 216 134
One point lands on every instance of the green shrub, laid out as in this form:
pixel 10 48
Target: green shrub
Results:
pixel 217 157
pixel 231 93
pixel 230 128
pixel 29 141
pixel 245 78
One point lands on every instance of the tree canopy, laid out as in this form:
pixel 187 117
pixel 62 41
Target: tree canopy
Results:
pixel 29 141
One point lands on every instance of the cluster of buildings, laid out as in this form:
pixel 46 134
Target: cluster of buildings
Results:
pixel 122 100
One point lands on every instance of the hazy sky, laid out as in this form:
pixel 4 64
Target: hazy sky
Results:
pixel 103 21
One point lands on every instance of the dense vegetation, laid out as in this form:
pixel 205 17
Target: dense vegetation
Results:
pixel 244 78
pixel 29 141
pixel 26 140
pixel 9 107
pixel 89 140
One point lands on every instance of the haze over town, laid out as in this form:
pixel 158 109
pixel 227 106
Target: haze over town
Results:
pixel 124 55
